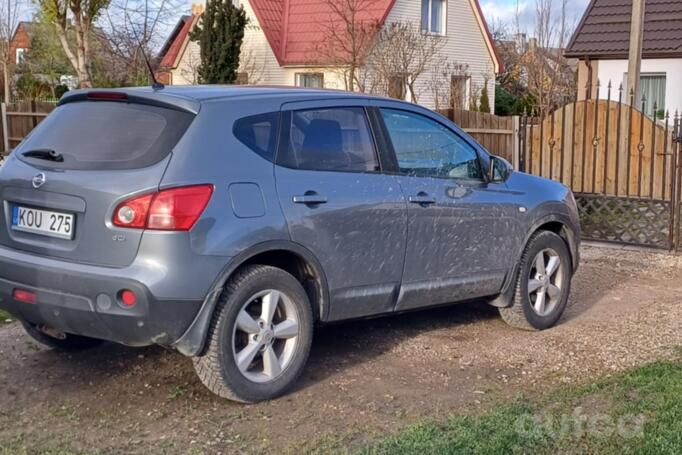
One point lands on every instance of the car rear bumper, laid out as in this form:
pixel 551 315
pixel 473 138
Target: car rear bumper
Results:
pixel 84 300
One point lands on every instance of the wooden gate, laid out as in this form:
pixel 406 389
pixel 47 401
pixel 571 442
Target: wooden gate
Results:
pixel 621 164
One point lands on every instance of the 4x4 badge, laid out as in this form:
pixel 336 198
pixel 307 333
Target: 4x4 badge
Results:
pixel 39 180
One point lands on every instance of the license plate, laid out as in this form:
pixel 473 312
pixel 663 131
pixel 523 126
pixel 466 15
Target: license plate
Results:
pixel 44 222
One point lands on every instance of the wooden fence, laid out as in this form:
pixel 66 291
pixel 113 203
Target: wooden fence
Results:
pixel 622 165
pixel 18 119
pixel 499 135
pixel 603 147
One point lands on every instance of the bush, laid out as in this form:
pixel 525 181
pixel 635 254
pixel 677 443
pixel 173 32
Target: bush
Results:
pixel 29 87
pixel 484 104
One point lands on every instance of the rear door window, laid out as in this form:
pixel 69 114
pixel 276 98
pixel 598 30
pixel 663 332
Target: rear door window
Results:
pixel 333 139
pixel 106 135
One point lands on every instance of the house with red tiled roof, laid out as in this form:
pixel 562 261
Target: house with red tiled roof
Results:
pixel 283 40
pixel 602 43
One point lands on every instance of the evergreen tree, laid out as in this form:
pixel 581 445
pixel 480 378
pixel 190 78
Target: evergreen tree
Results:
pixel 484 104
pixel 220 33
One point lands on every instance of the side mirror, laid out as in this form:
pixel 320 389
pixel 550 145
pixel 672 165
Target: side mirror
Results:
pixel 499 169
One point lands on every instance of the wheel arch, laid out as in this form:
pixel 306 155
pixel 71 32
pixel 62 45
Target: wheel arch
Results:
pixel 286 255
pixel 560 225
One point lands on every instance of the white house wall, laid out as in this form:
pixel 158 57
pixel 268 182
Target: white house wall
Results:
pixel 465 44
pixel 614 71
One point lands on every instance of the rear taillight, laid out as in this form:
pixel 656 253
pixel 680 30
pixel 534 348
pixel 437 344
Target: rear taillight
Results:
pixel 22 295
pixel 174 209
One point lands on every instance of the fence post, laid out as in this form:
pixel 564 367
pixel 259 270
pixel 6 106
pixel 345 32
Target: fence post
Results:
pixel 516 140
pixel 5 129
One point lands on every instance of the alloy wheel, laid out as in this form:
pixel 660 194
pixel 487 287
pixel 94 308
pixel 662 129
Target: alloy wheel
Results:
pixel 545 282
pixel 265 336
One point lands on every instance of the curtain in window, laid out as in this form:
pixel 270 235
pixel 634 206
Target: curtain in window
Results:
pixel 437 16
pixel 653 89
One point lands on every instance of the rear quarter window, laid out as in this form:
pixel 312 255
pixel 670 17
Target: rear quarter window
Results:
pixel 107 135
pixel 259 133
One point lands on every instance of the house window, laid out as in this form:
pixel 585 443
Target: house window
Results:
pixel 652 86
pixel 397 87
pixel 21 56
pixel 459 91
pixel 310 80
pixel 433 16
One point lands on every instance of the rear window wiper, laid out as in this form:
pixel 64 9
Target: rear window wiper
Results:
pixel 44 154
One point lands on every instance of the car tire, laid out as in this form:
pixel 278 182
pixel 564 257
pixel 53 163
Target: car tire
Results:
pixel 542 289
pixel 67 342
pixel 265 309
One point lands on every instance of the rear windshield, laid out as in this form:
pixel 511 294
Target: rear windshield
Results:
pixel 106 135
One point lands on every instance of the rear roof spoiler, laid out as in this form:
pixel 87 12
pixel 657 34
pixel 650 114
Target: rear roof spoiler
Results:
pixel 151 98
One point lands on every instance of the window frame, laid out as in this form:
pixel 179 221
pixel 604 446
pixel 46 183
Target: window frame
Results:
pixel 299 75
pixel 482 163
pixel 649 74
pixel 467 90
pixel 427 29
pixel 20 55
pixel 286 118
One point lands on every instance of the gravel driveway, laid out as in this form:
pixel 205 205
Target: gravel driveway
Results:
pixel 364 379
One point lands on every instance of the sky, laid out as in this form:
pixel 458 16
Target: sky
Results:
pixel 504 11
pixel 496 11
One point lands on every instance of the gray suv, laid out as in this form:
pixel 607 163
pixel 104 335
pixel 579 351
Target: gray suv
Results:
pixel 226 222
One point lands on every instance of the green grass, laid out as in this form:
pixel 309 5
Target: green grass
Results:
pixel 636 412
pixel 4 316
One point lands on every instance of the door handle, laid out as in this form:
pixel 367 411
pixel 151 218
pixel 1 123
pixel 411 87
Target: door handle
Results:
pixel 310 199
pixel 422 199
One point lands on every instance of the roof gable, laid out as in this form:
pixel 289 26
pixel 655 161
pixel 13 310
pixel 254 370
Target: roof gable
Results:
pixel 604 30
pixel 292 27
pixel 173 47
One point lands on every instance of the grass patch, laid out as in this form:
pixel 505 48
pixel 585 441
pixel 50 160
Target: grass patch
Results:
pixel 4 316
pixel 636 412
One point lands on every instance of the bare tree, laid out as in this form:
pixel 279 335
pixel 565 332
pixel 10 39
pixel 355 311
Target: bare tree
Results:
pixel 9 19
pixel 189 70
pixel 402 53
pixel 535 67
pixel 545 66
pixel 253 65
pixel 75 18
pixel 134 29
pixel 442 84
pixel 347 35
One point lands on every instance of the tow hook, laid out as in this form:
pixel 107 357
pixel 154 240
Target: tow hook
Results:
pixel 49 331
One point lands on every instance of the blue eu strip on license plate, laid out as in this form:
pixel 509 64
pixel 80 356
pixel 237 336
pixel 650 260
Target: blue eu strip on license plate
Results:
pixel 15 215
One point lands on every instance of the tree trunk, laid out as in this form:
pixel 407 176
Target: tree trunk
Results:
pixel 82 54
pixel 5 75
pixel 61 34
pixel 351 78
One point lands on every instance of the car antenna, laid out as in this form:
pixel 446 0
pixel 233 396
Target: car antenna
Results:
pixel 156 85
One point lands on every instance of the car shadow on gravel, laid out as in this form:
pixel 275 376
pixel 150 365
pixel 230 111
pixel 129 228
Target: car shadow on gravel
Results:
pixel 336 347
